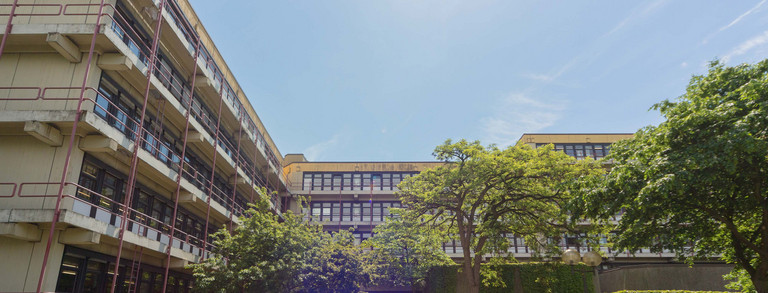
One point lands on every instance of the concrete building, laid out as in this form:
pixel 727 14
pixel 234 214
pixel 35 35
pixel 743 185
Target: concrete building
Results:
pixel 357 195
pixel 124 140
pixel 345 195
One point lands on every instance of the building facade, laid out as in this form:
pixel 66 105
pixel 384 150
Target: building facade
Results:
pixel 125 141
pixel 344 195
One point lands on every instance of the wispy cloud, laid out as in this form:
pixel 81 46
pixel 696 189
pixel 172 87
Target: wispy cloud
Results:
pixel 318 151
pixel 734 21
pixel 516 114
pixel 539 77
pixel 547 78
pixel 746 46
pixel 637 14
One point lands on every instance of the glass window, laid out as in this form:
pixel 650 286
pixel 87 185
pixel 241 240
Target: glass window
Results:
pixel 307 181
pixel 317 183
pixel 327 181
pixel 356 183
pixel 336 212
pixel 347 183
pixel 337 181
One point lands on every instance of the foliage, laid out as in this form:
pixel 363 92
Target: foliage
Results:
pixel 740 281
pixel 534 277
pixel 667 291
pixel 402 253
pixel 267 253
pixel 442 279
pixel 336 265
pixel 696 183
pixel 481 193
pixel 555 277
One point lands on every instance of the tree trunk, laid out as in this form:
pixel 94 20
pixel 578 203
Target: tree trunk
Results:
pixel 471 280
pixel 760 281
pixel 759 278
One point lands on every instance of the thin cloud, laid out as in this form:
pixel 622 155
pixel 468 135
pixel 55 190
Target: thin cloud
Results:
pixel 547 78
pixel 539 77
pixel 637 14
pixel 318 151
pixel 516 114
pixel 746 46
pixel 735 21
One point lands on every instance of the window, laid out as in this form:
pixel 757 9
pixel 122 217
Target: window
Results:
pixel 581 151
pixel 116 107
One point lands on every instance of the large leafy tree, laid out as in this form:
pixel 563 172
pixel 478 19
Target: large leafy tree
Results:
pixel 697 183
pixel 336 265
pixel 271 253
pixel 402 252
pixel 481 193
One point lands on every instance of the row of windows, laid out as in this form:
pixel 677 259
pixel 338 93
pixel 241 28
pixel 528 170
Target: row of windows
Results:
pixel 352 211
pixel 86 271
pixel 151 209
pixel 354 181
pixel 137 40
pixel 582 150
pixel 116 107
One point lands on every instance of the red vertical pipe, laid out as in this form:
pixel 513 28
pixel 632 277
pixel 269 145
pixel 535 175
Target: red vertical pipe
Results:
pixel 181 169
pixel 68 157
pixel 237 164
pixel 370 202
pixel 137 143
pixel 213 168
pixel 8 26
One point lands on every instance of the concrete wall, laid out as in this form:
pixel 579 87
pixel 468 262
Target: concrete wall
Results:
pixel 704 277
pixel 43 70
pixel 26 159
pixel 26 259
pixel 533 139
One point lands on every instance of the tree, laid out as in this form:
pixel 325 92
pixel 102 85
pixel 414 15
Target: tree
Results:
pixel 697 183
pixel 336 265
pixel 271 253
pixel 483 193
pixel 402 252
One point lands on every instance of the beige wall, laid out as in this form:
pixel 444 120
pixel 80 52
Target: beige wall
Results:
pixel 43 70
pixel 573 138
pixel 22 261
pixel 26 159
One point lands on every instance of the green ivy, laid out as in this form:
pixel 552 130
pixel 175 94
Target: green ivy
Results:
pixel 535 277
pixel 668 291
pixel 442 279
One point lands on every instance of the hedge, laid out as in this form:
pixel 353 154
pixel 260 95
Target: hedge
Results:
pixel 534 277
pixel 667 291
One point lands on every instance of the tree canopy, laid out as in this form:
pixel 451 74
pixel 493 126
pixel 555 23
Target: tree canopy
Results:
pixel 269 253
pixel 696 183
pixel 402 252
pixel 483 194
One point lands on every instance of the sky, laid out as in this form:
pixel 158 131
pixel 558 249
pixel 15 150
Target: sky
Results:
pixel 388 80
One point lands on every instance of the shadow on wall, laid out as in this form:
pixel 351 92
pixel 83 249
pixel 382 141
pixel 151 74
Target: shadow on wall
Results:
pixel 699 277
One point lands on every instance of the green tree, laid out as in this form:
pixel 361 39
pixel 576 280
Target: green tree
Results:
pixel 402 252
pixel 482 193
pixel 336 265
pixel 270 253
pixel 696 183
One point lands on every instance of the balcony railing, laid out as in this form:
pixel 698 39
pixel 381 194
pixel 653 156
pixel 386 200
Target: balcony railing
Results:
pixel 93 204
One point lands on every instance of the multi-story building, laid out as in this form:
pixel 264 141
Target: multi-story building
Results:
pixel 343 195
pixel 125 141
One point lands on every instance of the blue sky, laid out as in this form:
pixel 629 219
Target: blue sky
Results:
pixel 379 80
